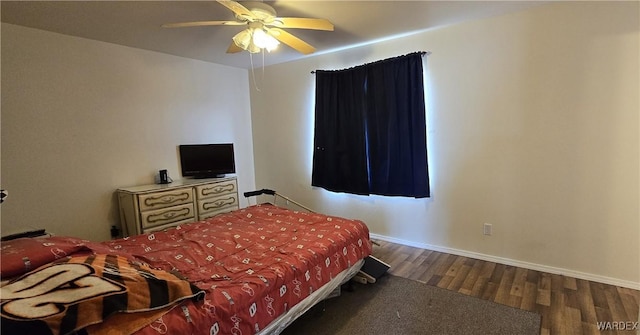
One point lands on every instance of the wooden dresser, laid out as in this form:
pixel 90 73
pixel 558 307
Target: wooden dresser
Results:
pixel 148 208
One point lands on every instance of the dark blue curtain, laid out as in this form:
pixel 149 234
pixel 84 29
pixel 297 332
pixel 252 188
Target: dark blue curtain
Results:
pixel 340 157
pixel 370 131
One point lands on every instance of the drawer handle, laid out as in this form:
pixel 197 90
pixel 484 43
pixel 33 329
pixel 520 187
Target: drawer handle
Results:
pixel 166 199
pixel 217 189
pixel 219 203
pixel 168 215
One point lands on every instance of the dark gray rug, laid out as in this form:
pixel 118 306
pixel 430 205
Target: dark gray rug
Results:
pixel 395 305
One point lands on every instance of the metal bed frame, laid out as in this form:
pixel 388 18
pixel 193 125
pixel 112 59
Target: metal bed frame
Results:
pixel 275 197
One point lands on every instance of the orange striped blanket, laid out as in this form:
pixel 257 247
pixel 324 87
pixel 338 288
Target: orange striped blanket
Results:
pixel 79 293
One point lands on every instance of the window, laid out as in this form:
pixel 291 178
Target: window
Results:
pixel 370 129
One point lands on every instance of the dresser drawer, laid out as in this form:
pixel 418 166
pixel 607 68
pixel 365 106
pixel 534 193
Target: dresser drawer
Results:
pixel 167 215
pixel 220 188
pixel 167 226
pixel 204 216
pixel 217 203
pixel 165 199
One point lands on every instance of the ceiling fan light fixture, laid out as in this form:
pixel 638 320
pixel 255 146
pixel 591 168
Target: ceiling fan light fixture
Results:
pixel 243 39
pixel 264 41
pixel 254 40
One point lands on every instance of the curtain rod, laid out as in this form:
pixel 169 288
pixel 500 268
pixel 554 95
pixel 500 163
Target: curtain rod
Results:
pixel 422 53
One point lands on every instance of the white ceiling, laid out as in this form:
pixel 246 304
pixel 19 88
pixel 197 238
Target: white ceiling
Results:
pixel 137 23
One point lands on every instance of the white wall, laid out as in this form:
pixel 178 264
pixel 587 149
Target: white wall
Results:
pixel 532 126
pixel 81 118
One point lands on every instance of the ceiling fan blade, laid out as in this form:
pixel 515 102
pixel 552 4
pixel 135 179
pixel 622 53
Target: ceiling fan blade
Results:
pixel 302 23
pixel 233 48
pixel 203 23
pixel 292 41
pixel 237 8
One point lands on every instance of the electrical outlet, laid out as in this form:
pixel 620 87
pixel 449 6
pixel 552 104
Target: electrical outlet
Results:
pixel 487 229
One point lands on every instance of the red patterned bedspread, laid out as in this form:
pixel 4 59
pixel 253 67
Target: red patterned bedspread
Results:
pixel 254 263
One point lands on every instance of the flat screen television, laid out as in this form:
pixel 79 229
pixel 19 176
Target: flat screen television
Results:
pixel 207 160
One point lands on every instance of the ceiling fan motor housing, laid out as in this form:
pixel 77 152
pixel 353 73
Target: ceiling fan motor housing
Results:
pixel 261 11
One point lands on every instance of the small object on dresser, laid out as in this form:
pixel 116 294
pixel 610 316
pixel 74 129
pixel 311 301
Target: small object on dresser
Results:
pixel 163 177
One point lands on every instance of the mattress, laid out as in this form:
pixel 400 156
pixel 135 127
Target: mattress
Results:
pixel 251 271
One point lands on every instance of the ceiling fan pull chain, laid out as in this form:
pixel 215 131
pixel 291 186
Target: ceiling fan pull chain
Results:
pixel 253 74
pixel 262 79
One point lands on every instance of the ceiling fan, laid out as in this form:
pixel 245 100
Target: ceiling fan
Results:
pixel 264 29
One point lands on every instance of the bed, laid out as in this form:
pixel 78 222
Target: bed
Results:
pixel 250 271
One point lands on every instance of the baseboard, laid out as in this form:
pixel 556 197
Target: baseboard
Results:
pixel 512 262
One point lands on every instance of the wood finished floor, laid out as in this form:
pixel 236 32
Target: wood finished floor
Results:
pixel 568 305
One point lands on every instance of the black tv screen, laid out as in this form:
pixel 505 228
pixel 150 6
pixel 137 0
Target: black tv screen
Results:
pixel 207 160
